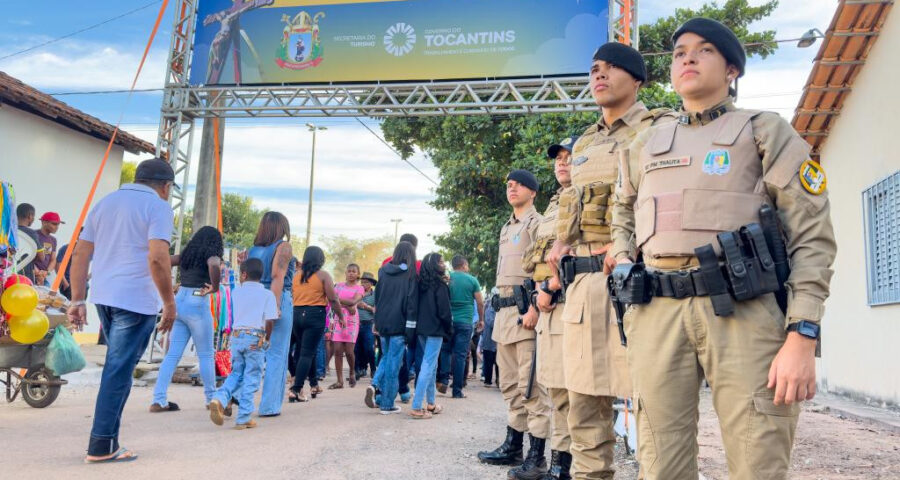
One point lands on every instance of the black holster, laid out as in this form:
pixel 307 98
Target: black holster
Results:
pixel 628 284
pixel 748 262
pixel 566 271
pixel 523 299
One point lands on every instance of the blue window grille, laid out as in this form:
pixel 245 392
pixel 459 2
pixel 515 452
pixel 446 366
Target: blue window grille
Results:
pixel 881 208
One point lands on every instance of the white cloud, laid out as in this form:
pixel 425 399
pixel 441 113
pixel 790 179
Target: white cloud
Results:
pixel 72 65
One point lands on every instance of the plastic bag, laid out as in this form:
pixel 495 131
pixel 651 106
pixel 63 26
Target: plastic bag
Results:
pixel 63 354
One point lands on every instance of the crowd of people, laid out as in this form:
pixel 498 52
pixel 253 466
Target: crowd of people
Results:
pixel 642 196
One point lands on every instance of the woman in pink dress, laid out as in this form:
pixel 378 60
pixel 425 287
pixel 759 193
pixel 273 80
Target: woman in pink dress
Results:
pixel 343 339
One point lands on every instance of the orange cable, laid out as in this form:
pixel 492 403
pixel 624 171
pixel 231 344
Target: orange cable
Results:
pixel 84 210
pixel 218 160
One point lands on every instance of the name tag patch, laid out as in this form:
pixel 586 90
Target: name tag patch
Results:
pixel 580 160
pixel 666 163
pixel 812 176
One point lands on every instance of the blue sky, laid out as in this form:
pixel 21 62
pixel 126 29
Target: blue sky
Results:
pixel 360 183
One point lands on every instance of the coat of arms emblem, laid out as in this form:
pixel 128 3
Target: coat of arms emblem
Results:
pixel 300 45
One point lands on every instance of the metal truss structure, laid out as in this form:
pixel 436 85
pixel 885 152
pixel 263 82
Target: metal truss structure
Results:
pixel 183 104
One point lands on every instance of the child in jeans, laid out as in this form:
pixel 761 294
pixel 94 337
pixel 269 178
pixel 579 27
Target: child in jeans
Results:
pixel 255 311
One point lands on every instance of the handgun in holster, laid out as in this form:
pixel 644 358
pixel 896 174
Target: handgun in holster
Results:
pixel 566 271
pixel 530 292
pixel 495 302
pixel 523 300
pixel 629 284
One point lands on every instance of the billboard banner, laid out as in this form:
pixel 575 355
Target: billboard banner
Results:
pixel 315 41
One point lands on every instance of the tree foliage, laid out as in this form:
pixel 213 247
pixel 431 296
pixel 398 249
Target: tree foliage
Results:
pixel 240 220
pixel 474 154
pixel 341 251
pixel 127 173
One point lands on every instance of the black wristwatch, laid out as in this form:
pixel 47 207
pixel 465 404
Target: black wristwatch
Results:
pixel 545 287
pixel 807 329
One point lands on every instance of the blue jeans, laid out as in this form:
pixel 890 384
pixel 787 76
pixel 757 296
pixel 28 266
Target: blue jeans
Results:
pixel 430 347
pixel 443 374
pixel 277 359
pixel 246 370
pixel 320 358
pixel 366 342
pixel 462 335
pixel 127 335
pixel 193 320
pixel 386 377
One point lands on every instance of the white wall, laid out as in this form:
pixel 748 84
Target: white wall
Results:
pixel 860 343
pixel 52 167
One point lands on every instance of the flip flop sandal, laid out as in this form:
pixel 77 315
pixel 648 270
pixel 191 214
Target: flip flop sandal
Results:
pixel 118 457
pixel 435 409
pixel 420 414
pixel 336 386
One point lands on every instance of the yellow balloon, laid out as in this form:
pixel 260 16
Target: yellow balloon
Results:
pixel 19 300
pixel 29 328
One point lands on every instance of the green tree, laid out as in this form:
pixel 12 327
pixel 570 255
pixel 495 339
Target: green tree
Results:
pixel 473 154
pixel 240 219
pixel 127 173
pixel 341 250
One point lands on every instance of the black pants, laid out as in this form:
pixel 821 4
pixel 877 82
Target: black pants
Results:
pixel 309 327
pixel 365 348
pixel 488 367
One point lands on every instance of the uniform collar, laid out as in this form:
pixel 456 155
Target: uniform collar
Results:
pixel 631 118
pixel 252 284
pixel 512 216
pixel 708 115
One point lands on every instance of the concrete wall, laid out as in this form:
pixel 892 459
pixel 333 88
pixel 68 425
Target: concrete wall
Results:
pixel 859 342
pixel 52 167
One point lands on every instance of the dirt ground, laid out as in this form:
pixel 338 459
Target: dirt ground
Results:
pixel 336 437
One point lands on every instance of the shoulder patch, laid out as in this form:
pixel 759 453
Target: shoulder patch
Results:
pixel 812 177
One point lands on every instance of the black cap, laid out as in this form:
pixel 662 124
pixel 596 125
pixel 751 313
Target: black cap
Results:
pixel 719 35
pixel 155 169
pixel 525 178
pixel 624 57
pixel 568 143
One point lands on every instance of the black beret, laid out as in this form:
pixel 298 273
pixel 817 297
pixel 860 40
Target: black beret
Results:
pixel 566 144
pixel 155 169
pixel 719 35
pixel 623 57
pixel 525 178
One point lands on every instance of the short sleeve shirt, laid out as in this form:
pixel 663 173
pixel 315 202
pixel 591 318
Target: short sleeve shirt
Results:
pixel 251 305
pixel 121 226
pixel 48 243
pixel 462 290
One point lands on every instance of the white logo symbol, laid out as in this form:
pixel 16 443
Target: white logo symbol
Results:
pixel 399 39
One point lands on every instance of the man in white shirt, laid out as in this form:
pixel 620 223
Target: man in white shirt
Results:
pixel 254 310
pixel 127 233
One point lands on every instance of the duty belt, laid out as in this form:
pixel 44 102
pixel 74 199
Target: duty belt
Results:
pixel 504 302
pixel 679 284
pixel 591 264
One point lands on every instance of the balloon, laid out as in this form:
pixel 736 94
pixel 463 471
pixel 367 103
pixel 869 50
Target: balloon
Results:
pixel 19 300
pixel 29 328
pixel 15 279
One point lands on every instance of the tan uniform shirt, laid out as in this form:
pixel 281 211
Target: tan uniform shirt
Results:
pixel 535 261
pixel 782 169
pixel 516 239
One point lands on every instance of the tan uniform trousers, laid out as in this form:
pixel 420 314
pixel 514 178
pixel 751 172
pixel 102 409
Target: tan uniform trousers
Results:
pixel 550 374
pixel 593 438
pixel 672 345
pixel 514 360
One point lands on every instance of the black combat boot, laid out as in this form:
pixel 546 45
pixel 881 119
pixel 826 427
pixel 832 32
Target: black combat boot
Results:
pixel 510 453
pixel 560 464
pixel 535 466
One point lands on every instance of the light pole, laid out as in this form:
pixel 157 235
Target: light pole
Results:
pixel 312 169
pixel 396 227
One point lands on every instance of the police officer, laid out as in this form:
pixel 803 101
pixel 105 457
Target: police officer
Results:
pixel 683 183
pixel 514 334
pixel 594 359
pixel 550 327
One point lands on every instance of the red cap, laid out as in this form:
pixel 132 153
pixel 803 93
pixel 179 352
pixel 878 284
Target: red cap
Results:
pixel 51 217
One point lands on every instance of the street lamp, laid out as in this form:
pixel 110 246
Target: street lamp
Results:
pixel 312 169
pixel 396 227
pixel 810 37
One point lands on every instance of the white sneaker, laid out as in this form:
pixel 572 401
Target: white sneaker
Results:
pixel 396 409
